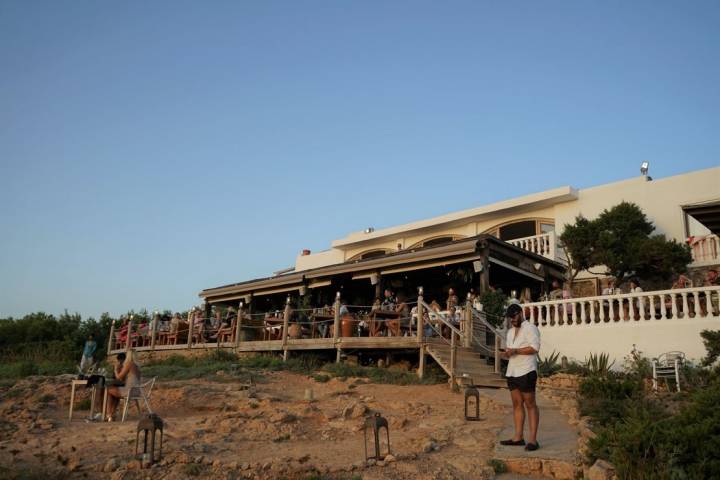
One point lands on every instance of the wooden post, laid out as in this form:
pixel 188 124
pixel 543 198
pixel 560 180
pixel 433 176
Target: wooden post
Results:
pixel 129 333
pixel 336 326
pixel 453 356
pixel 238 325
pixel 111 339
pixel 378 287
pixel 497 353
pixel 191 327
pixel 208 310
pixel 468 322
pixel 420 317
pixel 484 248
pixel 153 330
pixel 286 324
pixel 421 366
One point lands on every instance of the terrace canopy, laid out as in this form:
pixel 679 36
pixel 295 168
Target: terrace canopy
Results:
pixel 476 262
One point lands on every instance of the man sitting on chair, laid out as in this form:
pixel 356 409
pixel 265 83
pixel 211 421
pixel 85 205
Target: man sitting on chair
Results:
pixel 127 371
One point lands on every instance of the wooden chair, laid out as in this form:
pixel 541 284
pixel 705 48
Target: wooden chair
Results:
pixel 179 335
pixel 227 334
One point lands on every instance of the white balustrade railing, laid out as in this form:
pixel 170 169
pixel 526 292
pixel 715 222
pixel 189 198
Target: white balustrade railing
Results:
pixel 543 244
pixel 698 302
pixel 705 250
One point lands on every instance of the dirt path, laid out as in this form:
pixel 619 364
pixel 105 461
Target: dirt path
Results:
pixel 218 430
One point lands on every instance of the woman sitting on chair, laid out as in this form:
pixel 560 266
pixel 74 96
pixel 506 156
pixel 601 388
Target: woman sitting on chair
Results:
pixel 126 371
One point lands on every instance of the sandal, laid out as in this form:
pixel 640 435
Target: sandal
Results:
pixel 512 442
pixel 532 446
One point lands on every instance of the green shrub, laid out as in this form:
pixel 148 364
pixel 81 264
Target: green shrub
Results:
pixel 598 364
pixel 711 339
pixel 605 399
pixel 320 378
pixel 548 366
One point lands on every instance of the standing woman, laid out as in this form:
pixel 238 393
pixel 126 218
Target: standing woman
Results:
pixel 523 344
pixel 126 371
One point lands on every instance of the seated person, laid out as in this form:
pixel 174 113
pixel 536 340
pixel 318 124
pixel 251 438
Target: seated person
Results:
pixel 452 300
pixel 122 332
pixel 127 372
pixel 376 305
pixel 556 293
pixel 390 302
pixel 225 324
pixel 174 323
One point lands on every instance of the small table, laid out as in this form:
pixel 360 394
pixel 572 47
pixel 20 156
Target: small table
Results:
pixel 379 318
pixel 75 383
pixel 273 328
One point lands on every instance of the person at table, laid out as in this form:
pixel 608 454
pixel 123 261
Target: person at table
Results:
pixel 390 302
pixel 607 291
pixel 377 305
pixel 634 288
pixel 712 279
pixel 88 352
pixel 225 323
pixel 122 332
pixel 174 323
pixel 127 372
pixel 557 292
pixel 452 300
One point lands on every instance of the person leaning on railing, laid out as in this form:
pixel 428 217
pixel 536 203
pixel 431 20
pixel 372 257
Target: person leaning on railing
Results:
pixel 712 279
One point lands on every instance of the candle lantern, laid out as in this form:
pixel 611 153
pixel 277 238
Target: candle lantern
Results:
pixel 374 424
pixel 149 426
pixel 470 393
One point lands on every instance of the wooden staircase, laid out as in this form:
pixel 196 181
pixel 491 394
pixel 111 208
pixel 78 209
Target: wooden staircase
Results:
pixel 467 361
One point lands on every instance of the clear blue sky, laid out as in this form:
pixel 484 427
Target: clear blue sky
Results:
pixel 149 150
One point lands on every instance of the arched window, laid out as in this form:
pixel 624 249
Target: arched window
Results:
pixel 369 254
pixel 435 241
pixel 526 227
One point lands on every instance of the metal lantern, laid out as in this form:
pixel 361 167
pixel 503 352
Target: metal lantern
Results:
pixel 472 392
pixel 149 425
pixel 375 424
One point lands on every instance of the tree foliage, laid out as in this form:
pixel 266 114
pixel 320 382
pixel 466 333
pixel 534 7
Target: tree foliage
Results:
pixel 622 240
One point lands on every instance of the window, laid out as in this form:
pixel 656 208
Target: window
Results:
pixel 437 241
pixel 517 230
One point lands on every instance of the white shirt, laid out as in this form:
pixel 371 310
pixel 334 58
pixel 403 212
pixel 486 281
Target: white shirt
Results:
pixel 528 336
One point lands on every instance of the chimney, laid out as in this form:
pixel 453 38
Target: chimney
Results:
pixel 305 252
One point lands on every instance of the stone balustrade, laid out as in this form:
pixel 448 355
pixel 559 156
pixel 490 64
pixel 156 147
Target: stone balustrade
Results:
pixel 543 244
pixel 698 302
pixel 705 250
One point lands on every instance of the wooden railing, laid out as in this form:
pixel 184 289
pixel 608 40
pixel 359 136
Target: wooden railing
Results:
pixel 698 302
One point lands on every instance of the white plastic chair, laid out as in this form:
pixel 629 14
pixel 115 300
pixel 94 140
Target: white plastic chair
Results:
pixel 667 366
pixel 139 392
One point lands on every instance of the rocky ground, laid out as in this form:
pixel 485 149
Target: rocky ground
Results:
pixel 223 430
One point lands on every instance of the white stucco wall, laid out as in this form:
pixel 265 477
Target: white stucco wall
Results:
pixel 651 337
pixel 661 199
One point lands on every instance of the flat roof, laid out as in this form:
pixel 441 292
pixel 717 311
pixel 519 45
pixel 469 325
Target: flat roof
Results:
pixel 535 200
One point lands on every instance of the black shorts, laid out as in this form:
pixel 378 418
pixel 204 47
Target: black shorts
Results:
pixel 525 384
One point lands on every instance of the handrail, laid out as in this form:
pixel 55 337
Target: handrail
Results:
pixel 481 316
pixel 442 318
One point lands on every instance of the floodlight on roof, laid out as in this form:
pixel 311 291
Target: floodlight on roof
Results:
pixel 369 230
pixel 644 167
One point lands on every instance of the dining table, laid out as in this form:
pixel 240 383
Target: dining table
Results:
pixel 387 321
